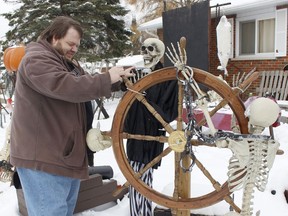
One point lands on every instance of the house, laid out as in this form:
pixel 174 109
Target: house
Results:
pixel 259 35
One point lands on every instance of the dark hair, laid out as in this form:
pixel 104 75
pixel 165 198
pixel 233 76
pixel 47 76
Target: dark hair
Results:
pixel 59 27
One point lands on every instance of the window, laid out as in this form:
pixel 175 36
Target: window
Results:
pixel 257 36
pixel 247 38
pixel 266 36
pixel 261 34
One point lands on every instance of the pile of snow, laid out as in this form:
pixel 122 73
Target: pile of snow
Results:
pixel 135 60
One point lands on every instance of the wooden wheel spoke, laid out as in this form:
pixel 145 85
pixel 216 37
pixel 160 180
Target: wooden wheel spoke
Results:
pixel 161 139
pixel 141 98
pixel 153 162
pixel 138 175
pixel 217 186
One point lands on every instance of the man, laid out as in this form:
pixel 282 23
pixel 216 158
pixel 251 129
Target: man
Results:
pixel 48 127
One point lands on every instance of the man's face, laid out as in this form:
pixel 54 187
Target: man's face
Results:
pixel 68 46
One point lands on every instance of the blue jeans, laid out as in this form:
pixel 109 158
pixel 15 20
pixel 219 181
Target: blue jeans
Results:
pixel 47 194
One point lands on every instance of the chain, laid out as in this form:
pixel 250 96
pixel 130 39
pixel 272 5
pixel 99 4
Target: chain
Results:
pixel 190 127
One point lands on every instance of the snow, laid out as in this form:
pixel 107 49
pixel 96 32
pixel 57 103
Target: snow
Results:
pixel 214 159
pixel 5 8
pixel 135 60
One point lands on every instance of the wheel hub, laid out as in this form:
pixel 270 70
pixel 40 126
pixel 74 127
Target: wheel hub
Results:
pixel 177 141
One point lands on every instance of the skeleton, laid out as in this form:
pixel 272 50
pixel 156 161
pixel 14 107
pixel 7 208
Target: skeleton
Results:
pixel 6 171
pixel 253 155
pixel 152 50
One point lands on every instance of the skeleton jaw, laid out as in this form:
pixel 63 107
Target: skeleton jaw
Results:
pixel 150 62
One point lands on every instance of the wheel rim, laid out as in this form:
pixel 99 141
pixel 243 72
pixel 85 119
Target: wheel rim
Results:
pixel 124 105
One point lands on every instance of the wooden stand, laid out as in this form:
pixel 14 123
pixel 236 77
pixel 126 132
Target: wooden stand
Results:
pixel 93 192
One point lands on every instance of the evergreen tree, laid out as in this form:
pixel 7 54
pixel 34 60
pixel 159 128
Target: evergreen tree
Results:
pixel 105 35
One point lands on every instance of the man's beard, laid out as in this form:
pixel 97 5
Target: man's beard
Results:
pixel 68 54
pixel 59 48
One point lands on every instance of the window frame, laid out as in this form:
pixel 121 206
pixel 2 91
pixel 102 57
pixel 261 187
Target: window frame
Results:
pixel 257 17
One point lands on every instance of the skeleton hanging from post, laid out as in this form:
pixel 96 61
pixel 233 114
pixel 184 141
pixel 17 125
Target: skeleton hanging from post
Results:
pixel 253 154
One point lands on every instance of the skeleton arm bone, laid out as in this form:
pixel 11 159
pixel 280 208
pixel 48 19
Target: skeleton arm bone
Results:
pixel 202 103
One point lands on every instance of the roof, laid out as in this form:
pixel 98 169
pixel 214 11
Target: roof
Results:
pixel 236 6
pixel 152 24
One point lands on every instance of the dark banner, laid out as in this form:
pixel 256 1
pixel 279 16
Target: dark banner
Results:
pixel 191 23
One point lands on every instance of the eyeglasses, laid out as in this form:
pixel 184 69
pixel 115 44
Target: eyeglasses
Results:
pixel 150 48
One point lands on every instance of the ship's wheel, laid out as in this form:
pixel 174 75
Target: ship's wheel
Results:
pixel 230 98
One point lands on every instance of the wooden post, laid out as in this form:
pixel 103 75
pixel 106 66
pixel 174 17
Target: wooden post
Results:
pixel 182 179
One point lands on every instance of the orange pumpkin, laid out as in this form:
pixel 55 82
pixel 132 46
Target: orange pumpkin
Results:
pixel 12 57
pixel 6 58
pixel 16 57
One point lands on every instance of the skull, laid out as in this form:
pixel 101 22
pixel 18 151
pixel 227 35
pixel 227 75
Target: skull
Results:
pixel 262 112
pixel 152 50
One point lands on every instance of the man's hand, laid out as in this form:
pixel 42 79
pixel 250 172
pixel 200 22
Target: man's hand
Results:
pixel 116 73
